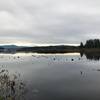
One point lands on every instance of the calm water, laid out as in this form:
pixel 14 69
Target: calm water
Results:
pixel 49 77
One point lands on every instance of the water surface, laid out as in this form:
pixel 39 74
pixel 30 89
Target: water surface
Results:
pixel 50 76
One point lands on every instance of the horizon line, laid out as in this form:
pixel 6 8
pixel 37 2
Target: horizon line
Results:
pixel 39 44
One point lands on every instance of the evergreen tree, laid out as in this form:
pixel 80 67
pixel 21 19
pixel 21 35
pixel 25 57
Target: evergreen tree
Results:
pixel 81 45
pixel 92 43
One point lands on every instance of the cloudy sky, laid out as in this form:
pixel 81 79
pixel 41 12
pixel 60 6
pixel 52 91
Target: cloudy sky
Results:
pixel 29 22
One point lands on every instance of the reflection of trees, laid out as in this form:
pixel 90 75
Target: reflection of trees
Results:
pixel 11 86
pixel 81 54
pixel 92 56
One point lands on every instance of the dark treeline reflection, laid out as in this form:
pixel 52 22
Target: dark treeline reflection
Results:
pixel 91 55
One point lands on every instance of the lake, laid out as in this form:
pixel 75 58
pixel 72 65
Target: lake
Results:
pixel 49 76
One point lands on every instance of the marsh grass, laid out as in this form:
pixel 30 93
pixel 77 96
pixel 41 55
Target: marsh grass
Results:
pixel 11 86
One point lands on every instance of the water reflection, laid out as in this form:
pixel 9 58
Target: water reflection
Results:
pixel 91 56
pixel 50 76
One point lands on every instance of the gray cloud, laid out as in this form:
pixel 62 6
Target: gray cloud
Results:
pixel 49 21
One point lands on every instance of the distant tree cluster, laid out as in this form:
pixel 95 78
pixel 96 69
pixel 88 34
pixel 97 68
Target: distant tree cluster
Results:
pixel 92 43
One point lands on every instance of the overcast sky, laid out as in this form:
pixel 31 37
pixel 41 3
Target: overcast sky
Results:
pixel 49 21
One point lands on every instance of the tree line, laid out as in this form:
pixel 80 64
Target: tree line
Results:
pixel 92 43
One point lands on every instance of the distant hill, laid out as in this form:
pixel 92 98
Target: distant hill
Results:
pixel 9 46
pixel 37 49
pixel 49 49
